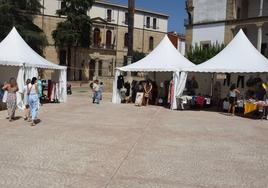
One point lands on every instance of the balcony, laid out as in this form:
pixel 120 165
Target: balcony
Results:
pixel 102 46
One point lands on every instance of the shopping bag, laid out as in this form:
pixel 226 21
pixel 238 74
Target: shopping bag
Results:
pixel 4 99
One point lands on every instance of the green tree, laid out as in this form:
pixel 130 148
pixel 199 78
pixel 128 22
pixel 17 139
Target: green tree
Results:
pixel 20 13
pixel 199 54
pixel 75 30
pixel 138 56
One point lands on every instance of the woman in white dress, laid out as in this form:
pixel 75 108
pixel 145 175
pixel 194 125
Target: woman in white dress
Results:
pixel 26 100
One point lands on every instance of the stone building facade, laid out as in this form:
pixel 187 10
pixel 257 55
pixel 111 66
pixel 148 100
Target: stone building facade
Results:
pixel 109 38
pixel 211 21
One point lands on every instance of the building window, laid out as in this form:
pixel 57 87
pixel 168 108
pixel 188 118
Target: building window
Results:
pixel 238 13
pixel 151 43
pixel 154 23
pixel 97 37
pixel 126 18
pixel 245 30
pixel 126 40
pixel 148 22
pixel 62 5
pixel 108 39
pixel 263 48
pixel 109 15
pixel 100 68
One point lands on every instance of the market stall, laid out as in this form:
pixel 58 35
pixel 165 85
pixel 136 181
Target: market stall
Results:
pixel 17 59
pixel 240 63
pixel 164 58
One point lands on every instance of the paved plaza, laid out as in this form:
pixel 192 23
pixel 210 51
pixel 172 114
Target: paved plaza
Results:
pixel 82 145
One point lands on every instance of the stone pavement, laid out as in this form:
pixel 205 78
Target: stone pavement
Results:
pixel 82 145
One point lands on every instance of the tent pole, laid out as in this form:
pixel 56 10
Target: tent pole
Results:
pixel 212 83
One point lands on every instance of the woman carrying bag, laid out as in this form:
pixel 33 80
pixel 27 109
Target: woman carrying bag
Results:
pixel 33 99
pixel 11 98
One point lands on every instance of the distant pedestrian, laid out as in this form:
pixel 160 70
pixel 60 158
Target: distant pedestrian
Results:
pixel 33 99
pixel 96 92
pixel 11 87
pixel 101 90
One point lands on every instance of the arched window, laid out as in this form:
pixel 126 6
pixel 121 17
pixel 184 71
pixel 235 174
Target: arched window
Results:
pixel 109 15
pixel 126 40
pixel 151 43
pixel 97 38
pixel 108 38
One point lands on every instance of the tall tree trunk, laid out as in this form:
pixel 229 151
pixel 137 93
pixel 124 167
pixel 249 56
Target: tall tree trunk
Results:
pixel 75 50
pixel 131 11
pixel 69 56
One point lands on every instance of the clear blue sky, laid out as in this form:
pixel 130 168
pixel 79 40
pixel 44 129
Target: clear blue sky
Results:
pixel 174 8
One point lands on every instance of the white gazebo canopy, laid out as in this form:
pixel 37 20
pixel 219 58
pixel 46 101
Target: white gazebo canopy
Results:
pixel 239 56
pixel 15 52
pixel 164 58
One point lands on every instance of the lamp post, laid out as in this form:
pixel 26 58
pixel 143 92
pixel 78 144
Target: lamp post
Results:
pixel 131 12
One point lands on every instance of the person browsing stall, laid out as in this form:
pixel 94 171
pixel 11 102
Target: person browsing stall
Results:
pixel 233 98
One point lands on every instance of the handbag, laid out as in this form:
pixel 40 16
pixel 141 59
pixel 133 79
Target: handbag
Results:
pixel 146 95
pixel 4 99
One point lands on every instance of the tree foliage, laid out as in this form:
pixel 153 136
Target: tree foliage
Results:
pixel 75 30
pixel 138 56
pixel 20 13
pixel 198 54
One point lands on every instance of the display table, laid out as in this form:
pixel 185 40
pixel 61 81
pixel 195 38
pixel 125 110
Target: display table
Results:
pixel 250 107
pixel 192 101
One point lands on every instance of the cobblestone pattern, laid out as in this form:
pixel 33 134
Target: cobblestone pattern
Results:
pixel 79 144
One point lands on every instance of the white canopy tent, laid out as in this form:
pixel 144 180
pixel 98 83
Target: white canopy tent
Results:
pixel 239 56
pixel 164 58
pixel 15 52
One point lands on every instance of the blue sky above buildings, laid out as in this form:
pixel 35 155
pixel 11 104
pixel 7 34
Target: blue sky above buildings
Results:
pixel 174 8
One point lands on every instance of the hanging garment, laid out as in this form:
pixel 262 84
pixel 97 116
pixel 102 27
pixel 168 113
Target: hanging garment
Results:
pixel 49 89
pixel 120 82
pixel 240 79
pixel 52 92
pixel 200 100
pixel 40 88
pixel 227 80
pixel 127 86
pixel 171 92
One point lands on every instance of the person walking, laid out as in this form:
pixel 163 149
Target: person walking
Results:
pixel 33 99
pixel 26 100
pixel 11 101
pixel 96 92
pixel 233 98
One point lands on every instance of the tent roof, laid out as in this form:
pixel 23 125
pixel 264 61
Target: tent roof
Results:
pixel 165 57
pixel 14 51
pixel 239 56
